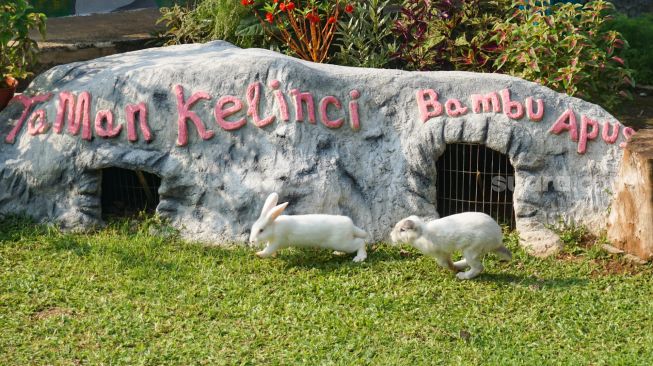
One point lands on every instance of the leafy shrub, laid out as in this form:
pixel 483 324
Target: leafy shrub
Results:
pixel 449 34
pixel 565 47
pixel 203 21
pixel 639 33
pixel 18 51
pixel 367 40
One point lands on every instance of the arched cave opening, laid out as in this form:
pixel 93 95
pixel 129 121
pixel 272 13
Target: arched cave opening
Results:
pixel 127 192
pixel 473 177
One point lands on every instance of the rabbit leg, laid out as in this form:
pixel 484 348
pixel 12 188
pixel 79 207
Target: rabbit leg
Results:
pixel 475 266
pixel 444 260
pixel 361 254
pixel 269 250
pixel 461 264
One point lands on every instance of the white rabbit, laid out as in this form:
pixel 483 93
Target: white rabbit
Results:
pixel 473 233
pixel 323 231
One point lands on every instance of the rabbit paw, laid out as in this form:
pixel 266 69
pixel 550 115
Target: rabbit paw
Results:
pixel 360 258
pixel 263 254
pixel 467 275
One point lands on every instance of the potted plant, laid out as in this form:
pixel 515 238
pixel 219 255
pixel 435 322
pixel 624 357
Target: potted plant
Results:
pixel 17 50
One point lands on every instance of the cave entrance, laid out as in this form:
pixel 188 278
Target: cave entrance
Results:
pixel 127 192
pixel 473 177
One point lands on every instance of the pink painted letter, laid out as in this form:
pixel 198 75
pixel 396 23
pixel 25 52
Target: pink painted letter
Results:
pixel 489 102
pixel 253 98
pixel 130 112
pixel 184 112
pixel 83 114
pixel 585 135
pixel 509 105
pixel 610 137
pixel 66 106
pixel 455 108
pixel 535 117
pixel 299 109
pixel 221 113
pixel 324 105
pixel 28 103
pixel 566 122
pixel 108 131
pixel 43 123
pixel 425 104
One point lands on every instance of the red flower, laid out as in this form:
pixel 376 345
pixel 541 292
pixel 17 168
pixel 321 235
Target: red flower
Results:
pixel 282 6
pixel 349 8
pixel 313 18
pixel 290 6
pixel 269 17
pixel 247 2
pixel 331 20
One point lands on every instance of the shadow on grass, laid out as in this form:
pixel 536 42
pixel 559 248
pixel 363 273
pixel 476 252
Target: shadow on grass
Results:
pixel 529 281
pixel 325 260
pixel 15 227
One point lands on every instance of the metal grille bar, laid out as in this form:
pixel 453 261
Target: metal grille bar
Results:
pixel 472 177
pixel 127 192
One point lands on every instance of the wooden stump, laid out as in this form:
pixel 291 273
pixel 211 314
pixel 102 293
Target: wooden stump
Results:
pixel 630 225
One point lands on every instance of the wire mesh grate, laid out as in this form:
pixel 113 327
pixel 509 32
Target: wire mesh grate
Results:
pixel 473 177
pixel 127 192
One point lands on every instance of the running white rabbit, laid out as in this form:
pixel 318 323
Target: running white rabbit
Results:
pixel 473 233
pixel 323 231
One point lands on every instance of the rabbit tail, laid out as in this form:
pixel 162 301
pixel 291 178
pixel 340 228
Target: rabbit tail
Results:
pixel 359 233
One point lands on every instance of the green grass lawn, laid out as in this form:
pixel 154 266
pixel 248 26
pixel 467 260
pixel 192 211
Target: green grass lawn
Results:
pixel 123 296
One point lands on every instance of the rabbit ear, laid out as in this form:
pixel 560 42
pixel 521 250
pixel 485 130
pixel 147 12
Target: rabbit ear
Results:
pixel 269 203
pixel 276 211
pixel 408 224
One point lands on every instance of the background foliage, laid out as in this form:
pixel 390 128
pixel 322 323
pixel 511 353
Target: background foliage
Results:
pixel 565 47
pixel 205 21
pixel 569 46
pixel 366 38
pixel 639 33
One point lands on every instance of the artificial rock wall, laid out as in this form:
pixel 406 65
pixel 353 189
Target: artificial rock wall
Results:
pixel 223 127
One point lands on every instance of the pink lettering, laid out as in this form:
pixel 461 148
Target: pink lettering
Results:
pixel 324 105
pixel 566 122
pixel 66 105
pixel 108 131
pixel 43 123
pixel 83 114
pixel 353 110
pixel 628 133
pixel 585 135
pixel 28 103
pixel 610 137
pixel 535 117
pixel 428 108
pixel 183 110
pixel 130 112
pixel 299 109
pixel 490 102
pixel 455 108
pixel 253 98
pixel 283 106
pixel 509 105
pixel 221 113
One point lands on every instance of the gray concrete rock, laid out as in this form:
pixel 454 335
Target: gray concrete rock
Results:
pixel 212 189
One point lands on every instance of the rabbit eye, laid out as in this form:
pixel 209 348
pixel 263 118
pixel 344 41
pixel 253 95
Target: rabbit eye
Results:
pixel 260 231
pixel 402 230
